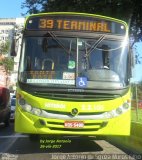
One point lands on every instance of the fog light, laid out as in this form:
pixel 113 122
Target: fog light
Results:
pixel 42 122
pixel 104 124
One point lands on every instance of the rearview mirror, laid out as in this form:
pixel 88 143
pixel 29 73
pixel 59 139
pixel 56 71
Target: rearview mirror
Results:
pixel 12 50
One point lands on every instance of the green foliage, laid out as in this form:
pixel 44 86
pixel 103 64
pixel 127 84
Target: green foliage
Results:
pixel 136 90
pixel 128 10
pixel 7 62
pixel 34 6
pixel 4 48
pixel 122 8
pixel 137 115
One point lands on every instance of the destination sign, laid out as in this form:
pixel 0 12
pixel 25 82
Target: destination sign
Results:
pixel 74 23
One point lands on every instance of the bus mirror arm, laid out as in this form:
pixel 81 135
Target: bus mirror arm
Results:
pixel 12 50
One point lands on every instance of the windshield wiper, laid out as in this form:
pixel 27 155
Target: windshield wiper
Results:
pixel 95 44
pixel 59 42
pixel 86 61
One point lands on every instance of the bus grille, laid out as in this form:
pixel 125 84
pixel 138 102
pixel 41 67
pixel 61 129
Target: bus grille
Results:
pixel 66 96
pixel 91 127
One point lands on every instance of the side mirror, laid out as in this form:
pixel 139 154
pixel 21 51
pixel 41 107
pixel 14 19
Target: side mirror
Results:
pixel 12 50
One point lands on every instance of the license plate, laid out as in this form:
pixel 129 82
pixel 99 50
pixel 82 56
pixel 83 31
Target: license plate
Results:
pixel 73 124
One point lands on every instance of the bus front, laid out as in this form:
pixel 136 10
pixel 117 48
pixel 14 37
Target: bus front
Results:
pixel 74 76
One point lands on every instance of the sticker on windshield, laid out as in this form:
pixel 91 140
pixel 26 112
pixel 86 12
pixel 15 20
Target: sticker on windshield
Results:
pixel 71 65
pixel 81 82
pixel 52 81
pixel 68 75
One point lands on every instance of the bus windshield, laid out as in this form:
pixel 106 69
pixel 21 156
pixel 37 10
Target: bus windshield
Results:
pixel 53 61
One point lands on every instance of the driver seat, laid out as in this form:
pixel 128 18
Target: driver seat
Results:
pixel 48 64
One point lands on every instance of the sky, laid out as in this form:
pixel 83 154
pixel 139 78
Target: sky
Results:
pixel 137 70
pixel 11 8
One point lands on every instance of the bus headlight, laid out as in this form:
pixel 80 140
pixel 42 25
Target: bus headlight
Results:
pixel 125 105
pixel 27 107
pixel 110 115
pixel 22 101
pixel 36 111
pixel 24 105
pixel 119 110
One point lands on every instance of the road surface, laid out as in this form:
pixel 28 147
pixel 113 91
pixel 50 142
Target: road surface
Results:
pixel 14 146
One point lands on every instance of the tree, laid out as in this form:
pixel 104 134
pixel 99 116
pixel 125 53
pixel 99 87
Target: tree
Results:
pixel 4 47
pixel 138 57
pixel 7 62
pixel 128 10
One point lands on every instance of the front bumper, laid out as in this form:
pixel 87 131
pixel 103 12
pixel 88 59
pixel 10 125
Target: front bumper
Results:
pixel 29 123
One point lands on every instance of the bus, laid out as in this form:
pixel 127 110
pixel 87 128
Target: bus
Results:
pixel 74 76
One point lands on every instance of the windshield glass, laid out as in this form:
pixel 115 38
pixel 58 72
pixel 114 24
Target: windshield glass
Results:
pixel 74 62
pixel 103 62
pixel 48 61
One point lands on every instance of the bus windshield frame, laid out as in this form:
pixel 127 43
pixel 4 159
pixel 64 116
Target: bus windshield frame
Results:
pixel 77 55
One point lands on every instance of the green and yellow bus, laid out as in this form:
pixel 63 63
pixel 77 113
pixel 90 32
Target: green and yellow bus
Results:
pixel 74 75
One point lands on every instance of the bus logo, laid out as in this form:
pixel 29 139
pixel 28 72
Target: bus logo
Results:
pixel 74 111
